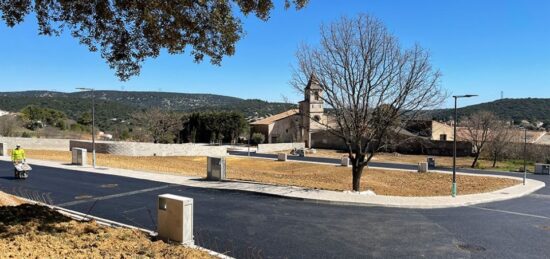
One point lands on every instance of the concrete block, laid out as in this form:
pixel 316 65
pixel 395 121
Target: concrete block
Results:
pixel 281 156
pixel 3 149
pixel 542 168
pixel 422 167
pixel 431 162
pixel 175 219
pixel 79 156
pixel 215 169
pixel 345 161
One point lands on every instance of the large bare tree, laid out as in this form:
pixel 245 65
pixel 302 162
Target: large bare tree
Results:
pixel 371 84
pixel 8 125
pixel 478 130
pixel 162 126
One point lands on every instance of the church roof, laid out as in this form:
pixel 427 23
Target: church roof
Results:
pixel 276 117
pixel 313 83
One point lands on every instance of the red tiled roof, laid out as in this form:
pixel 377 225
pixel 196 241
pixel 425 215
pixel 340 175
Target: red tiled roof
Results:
pixel 276 117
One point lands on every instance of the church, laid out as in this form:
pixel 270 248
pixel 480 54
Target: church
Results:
pixel 296 125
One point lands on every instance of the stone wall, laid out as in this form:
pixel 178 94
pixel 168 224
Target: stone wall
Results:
pixel 150 149
pixel 267 148
pixel 37 143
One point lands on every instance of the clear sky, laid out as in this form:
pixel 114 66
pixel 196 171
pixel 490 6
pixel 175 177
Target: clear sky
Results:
pixel 481 47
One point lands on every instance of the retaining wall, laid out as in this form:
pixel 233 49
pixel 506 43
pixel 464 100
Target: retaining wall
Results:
pixel 150 149
pixel 37 143
pixel 266 148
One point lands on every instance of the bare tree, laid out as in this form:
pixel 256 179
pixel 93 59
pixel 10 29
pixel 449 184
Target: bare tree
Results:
pixel 478 130
pixel 501 137
pixel 369 82
pixel 162 126
pixel 8 125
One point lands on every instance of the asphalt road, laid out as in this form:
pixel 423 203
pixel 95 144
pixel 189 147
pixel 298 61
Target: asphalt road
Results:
pixel 247 225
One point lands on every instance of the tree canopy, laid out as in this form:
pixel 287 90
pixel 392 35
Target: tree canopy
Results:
pixel 126 32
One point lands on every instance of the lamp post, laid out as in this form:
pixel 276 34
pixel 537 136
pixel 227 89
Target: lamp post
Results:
pixel 525 156
pixel 93 121
pixel 453 187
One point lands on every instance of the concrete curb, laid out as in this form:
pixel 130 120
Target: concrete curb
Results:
pixel 322 196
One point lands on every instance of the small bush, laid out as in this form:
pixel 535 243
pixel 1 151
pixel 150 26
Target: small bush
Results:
pixel 258 138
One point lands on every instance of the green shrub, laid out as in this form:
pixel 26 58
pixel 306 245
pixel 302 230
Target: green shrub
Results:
pixel 258 138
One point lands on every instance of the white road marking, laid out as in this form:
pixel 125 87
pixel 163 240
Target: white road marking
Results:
pixel 71 203
pixel 511 212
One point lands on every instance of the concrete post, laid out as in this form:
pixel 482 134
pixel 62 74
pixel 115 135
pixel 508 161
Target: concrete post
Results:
pixel 3 149
pixel 542 168
pixel 422 167
pixel 345 161
pixel 215 169
pixel 79 156
pixel 431 162
pixel 281 156
pixel 175 219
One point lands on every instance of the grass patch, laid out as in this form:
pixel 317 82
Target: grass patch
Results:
pixel 309 175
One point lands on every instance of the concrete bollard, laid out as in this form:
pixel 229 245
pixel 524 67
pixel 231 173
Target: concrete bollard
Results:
pixel 79 156
pixel 344 161
pixel 215 168
pixel 175 219
pixel 281 156
pixel 431 162
pixel 422 167
pixel 3 149
pixel 542 168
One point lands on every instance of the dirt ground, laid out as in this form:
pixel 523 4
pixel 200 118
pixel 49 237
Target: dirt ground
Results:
pixel 33 231
pixel 446 161
pixel 315 176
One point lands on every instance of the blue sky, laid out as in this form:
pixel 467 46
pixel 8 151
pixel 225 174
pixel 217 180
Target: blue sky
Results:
pixel 482 47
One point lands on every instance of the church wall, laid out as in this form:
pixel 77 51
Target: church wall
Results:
pixel 285 130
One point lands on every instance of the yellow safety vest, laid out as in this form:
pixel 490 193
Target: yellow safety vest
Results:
pixel 17 154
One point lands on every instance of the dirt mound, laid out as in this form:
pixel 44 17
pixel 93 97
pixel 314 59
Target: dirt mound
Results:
pixel 33 231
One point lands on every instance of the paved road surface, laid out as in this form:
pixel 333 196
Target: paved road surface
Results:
pixel 249 225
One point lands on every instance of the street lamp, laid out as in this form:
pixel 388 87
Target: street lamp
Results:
pixel 524 155
pixel 93 121
pixel 453 188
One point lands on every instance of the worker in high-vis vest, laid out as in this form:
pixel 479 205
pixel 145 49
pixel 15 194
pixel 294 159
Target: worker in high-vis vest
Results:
pixel 18 154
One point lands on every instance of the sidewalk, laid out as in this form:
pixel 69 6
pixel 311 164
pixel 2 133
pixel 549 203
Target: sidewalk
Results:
pixel 314 195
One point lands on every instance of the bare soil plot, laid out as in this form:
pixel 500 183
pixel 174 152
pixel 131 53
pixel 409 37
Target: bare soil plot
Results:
pixel 33 231
pixel 309 175
pixel 446 161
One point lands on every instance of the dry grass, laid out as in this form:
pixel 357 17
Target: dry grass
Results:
pixel 446 161
pixel 382 182
pixel 33 231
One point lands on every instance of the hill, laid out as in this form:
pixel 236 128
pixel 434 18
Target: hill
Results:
pixel 531 109
pixel 121 104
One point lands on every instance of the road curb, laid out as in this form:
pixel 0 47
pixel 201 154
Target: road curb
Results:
pixel 328 197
